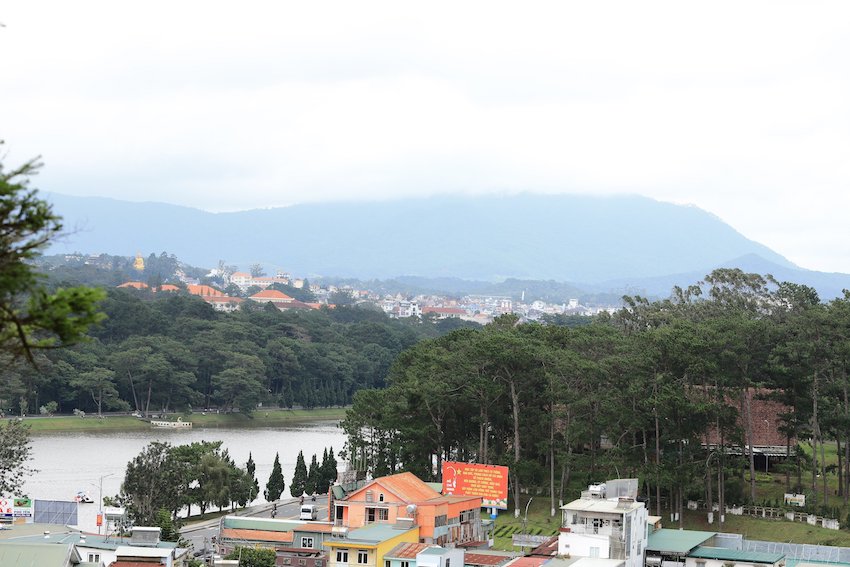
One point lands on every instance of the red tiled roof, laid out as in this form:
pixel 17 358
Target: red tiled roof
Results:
pixel 203 290
pixel 528 561
pixel 271 294
pixel 168 287
pixel 135 285
pixel 407 486
pixel 257 535
pixel 406 550
pixel 483 559
pixel 548 548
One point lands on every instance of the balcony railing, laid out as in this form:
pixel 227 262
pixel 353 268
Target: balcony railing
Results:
pixel 588 529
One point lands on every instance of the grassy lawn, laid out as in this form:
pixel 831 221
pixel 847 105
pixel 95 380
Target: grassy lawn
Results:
pixel 539 523
pixel 767 530
pixel 263 418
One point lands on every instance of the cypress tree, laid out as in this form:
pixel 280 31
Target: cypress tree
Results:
pixel 299 479
pixel 322 482
pixel 275 486
pixel 251 467
pixel 312 476
pixel 331 471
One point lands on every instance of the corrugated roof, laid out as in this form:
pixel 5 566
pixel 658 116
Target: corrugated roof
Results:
pixel 256 535
pixel 601 505
pixel 37 554
pixel 528 561
pixel 377 533
pixel 269 524
pixel 723 554
pixel 593 562
pixel 679 542
pixel 406 550
pixel 485 559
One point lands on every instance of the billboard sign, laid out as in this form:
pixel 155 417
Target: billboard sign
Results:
pixel 16 509
pixel 490 482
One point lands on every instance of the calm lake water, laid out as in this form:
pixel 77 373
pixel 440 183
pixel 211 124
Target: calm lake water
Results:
pixel 71 462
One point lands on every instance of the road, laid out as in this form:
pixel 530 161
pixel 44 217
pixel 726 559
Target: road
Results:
pixel 200 534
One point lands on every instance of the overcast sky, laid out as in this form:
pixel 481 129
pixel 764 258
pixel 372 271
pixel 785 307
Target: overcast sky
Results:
pixel 741 108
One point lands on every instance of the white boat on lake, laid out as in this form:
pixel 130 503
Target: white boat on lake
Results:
pixel 179 424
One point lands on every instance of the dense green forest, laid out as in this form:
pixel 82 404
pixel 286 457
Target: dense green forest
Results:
pixel 631 395
pixel 171 351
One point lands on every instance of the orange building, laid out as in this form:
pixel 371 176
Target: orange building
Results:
pixel 403 498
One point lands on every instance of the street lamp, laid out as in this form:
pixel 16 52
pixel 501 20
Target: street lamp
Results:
pixel 100 502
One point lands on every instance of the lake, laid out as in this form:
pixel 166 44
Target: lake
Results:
pixel 68 463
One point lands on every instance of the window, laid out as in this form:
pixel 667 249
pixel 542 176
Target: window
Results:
pixel 594 552
pixel 318 563
pixel 387 563
pixel 405 564
pixel 306 542
pixel 342 556
pixel 377 514
pixel 370 496
pixel 94 557
pixel 381 497
pixel 287 561
pixel 302 562
pixel 439 521
pixel 362 557
pixel 448 562
pixel 468 515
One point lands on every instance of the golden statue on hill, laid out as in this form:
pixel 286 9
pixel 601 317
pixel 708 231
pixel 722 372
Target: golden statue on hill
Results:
pixel 139 262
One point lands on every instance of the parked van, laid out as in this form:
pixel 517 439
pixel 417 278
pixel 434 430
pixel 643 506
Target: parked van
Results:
pixel 309 512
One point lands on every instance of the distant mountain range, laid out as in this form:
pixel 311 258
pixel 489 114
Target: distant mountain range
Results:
pixel 599 244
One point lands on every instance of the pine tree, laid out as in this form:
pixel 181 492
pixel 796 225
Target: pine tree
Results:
pixel 322 482
pixel 299 480
pixel 331 472
pixel 275 486
pixel 312 476
pixel 251 468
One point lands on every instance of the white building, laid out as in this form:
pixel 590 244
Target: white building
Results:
pixel 607 522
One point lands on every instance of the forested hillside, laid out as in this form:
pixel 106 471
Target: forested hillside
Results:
pixel 167 352
pixel 633 395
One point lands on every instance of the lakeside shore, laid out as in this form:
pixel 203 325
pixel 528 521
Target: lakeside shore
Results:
pixel 260 418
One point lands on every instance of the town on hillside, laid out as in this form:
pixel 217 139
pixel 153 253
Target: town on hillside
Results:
pixel 226 290
pixel 401 521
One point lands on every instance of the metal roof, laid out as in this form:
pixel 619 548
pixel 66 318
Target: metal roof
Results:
pixel 723 554
pixel 607 506
pixel 679 542
pixel 405 550
pixel 37 554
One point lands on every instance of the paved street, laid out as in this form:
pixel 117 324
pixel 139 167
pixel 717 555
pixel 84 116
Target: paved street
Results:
pixel 200 534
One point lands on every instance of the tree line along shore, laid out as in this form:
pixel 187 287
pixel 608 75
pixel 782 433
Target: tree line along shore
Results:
pixel 261 418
